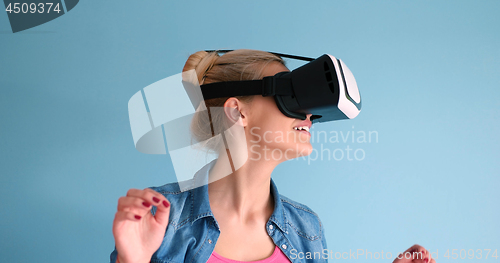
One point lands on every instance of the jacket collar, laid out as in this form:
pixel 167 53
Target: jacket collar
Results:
pixel 200 204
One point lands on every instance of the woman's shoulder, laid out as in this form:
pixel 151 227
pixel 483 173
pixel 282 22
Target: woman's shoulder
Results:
pixel 288 202
pixel 170 189
pixel 304 220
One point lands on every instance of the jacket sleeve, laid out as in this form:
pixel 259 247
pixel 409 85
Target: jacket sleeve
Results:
pixel 113 256
pixel 323 237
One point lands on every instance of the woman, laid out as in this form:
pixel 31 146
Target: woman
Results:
pixel 240 216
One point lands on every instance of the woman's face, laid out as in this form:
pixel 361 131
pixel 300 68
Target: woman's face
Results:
pixel 271 134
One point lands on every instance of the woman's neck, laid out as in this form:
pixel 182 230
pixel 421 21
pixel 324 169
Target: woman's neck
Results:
pixel 243 195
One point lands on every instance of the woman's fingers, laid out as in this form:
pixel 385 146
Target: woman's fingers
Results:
pixel 414 248
pixel 124 215
pixel 427 256
pixel 133 204
pixel 148 195
pixel 162 207
pixel 140 201
pixel 420 253
pixel 162 213
pixel 417 254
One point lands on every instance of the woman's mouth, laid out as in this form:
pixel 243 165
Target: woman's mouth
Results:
pixel 302 129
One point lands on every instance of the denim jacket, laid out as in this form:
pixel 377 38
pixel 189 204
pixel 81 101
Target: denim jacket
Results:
pixel 192 231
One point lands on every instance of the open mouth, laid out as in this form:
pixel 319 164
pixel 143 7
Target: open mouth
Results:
pixel 303 129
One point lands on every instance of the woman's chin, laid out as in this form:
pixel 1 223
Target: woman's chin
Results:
pixel 307 149
pixel 300 150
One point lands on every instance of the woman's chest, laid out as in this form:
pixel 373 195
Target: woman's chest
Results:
pixel 244 243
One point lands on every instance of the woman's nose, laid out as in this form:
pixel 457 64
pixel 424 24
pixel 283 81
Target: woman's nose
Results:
pixel 308 116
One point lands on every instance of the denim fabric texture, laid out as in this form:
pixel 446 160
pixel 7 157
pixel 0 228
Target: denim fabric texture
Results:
pixel 192 231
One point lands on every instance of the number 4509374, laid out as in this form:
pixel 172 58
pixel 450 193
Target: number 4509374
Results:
pixel 470 254
pixel 32 8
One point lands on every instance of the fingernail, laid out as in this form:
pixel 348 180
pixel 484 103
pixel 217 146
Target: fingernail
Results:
pixel 426 260
pixel 156 199
pixel 137 217
pixel 165 203
pixel 146 204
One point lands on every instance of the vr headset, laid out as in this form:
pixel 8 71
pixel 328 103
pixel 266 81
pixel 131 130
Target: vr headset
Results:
pixel 324 87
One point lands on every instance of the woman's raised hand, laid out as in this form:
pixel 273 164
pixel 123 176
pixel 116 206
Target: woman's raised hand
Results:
pixel 415 254
pixel 138 234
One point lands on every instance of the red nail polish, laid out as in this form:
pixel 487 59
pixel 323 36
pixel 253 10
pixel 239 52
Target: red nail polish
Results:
pixel 166 204
pixel 146 204
pixel 137 217
pixel 156 199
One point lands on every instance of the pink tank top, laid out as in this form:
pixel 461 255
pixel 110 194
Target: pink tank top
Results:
pixel 276 257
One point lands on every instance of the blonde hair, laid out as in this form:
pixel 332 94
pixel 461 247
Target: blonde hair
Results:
pixel 241 64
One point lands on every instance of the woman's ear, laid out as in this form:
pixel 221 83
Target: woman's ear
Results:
pixel 234 110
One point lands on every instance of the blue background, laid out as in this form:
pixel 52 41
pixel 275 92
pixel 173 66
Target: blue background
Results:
pixel 428 73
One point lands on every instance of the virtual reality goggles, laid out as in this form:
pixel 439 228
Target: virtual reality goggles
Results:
pixel 324 87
